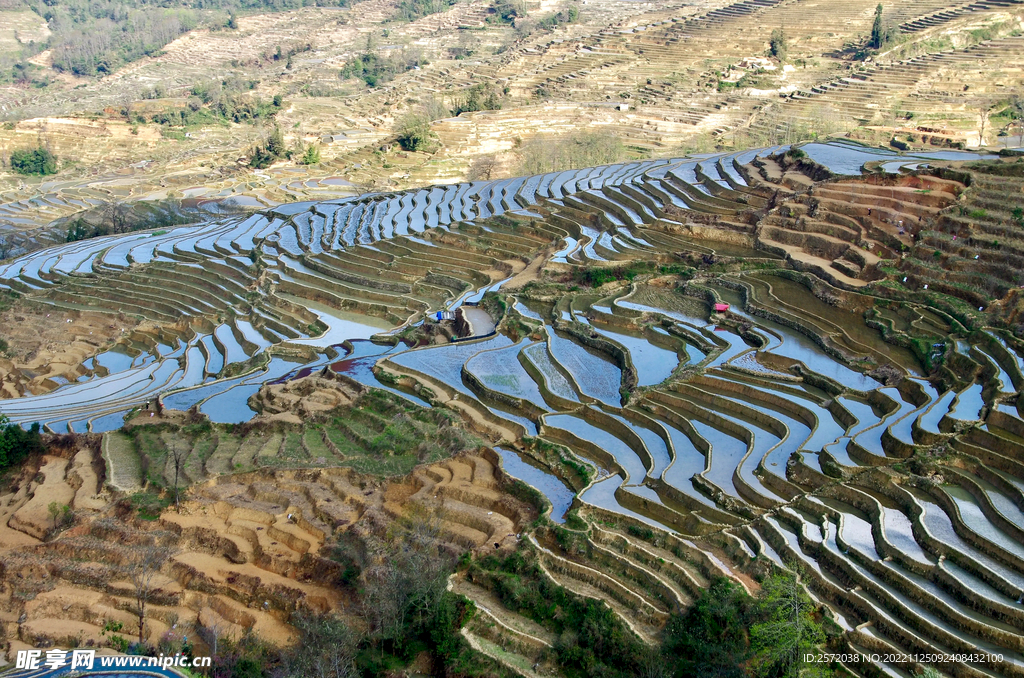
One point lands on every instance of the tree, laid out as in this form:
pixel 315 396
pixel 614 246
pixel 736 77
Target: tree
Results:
pixel 210 634
pixel 414 134
pixel 38 161
pixel 507 11
pixel 402 591
pixel 275 143
pixel 54 510
pixel 984 105
pixel 119 217
pixel 710 639
pixel 327 648
pixel 263 155
pixel 232 21
pixel 777 44
pixel 895 108
pixel 1017 112
pixel 574 151
pixel 410 10
pixel 483 168
pixel 882 33
pixel 877 30
pixel 477 98
pixel 788 630
pixel 16 443
pixel 179 452
pixel 312 155
pixel 143 575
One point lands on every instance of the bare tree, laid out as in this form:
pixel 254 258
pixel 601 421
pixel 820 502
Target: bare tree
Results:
pixel 1017 106
pixel 984 105
pixel 210 634
pixel 483 168
pixel 407 585
pixel 179 453
pixel 143 572
pixel 127 100
pixel 894 114
pixel 328 648
pixel 652 664
pixel 118 215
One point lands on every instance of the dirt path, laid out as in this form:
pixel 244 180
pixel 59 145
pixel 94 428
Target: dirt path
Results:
pixel 530 273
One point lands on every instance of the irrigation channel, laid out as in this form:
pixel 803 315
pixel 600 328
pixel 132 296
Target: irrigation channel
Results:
pixel 688 422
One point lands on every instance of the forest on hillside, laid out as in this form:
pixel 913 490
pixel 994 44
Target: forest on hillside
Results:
pixel 95 37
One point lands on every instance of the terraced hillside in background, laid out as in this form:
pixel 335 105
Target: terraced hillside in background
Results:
pixel 659 78
pixel 805 358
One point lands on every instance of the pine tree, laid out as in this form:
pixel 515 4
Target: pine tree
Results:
pixel 312 155
pixel 877 32
pixel 275 143
pixel 777 44
pixel 789 629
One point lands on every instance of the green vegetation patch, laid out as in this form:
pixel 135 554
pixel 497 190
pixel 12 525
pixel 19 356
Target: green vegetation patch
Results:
pixel 375 68
pixel 96 37
pixel 597 276
pixel 380 434
pixel 591 639
pixel 17 443
pixel 410 10
pixel 400 582
pixel 726 633
pixel 37 161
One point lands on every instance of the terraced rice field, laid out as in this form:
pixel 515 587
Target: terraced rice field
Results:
pixel 849 416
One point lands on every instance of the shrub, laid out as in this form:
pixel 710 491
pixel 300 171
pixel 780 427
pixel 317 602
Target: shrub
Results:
pixel 525 493
pixel 645 533
pixel 591 641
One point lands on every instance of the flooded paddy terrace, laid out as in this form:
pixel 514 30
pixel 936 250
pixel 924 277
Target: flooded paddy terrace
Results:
pixel 795 426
